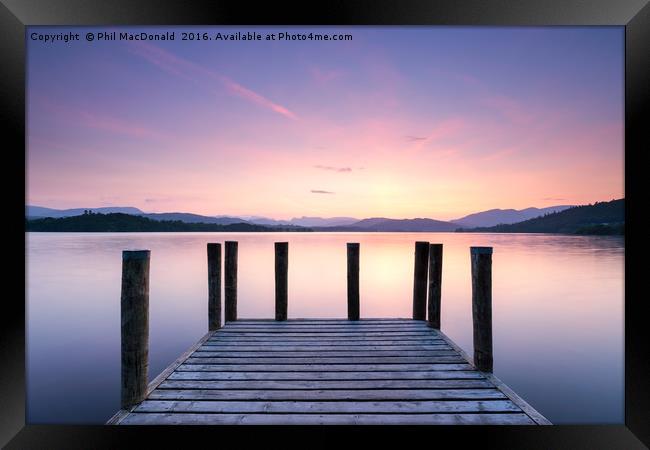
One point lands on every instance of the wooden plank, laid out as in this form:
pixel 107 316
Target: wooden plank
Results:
pixel 386 360
pixel 333 360
pixel 316 333
pixel 211 352
pixel 194 367
pixel 354 325
pixel 327 419
pixel 275 340
pixel 383 375
pixel 324 384
pixel 364 320
pixel 339 407
pixel 324 330
pixel 331 395
pixel 232 347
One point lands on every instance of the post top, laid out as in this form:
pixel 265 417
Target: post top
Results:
pixel 214 244
pixel 435 245
pixel 135 254
pixel 422 243
pixel 231 242
pixel 481 250
pixel 353 244
pixel 281 243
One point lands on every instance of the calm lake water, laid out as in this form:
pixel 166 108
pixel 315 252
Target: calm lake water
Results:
pixel 558 308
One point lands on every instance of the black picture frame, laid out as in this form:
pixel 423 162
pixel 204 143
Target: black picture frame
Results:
pixel 634 15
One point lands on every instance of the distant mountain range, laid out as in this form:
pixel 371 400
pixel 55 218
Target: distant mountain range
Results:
pixel 598 218
pixel 505 216
pixel 394 225
pixel 488 218
pixel 39 211
pixel 304 221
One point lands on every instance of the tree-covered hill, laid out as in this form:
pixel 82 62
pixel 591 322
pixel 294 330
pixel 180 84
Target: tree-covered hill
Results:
pixel 599 218
pixel 118 222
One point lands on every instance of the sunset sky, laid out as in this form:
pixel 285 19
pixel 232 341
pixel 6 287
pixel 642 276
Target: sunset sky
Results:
pixel 400 122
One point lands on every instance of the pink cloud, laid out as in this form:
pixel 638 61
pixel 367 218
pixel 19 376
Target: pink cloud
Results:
pixel 196 73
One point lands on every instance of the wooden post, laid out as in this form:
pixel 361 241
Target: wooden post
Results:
pixel 353 281
pixel 230 281
pixel 420 280
pixel 435 285
pixel 134 311
pixel 281 279
pixel 482 306
pixel 214 286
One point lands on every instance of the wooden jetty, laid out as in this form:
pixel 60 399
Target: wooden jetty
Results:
pixel 318 371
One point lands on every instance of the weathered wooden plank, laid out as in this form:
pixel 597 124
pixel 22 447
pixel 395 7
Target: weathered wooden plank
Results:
pixel 210 367
pixel 333 328
pixel 316 333
pixel 327 419
pixel 335 320
pixel 274 340
pixel 333 360
pixel 211 346
pixel 339 407
pixel 210 352
pixel 327 329
pixel 324 394
pixel 324 384
pixel 341 323
pixel 383 375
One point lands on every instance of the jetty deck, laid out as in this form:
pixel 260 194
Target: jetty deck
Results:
pixel 327 371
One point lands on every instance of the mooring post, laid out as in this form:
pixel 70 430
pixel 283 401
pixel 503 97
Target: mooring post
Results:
pixel 482 306
pixel 230 281
pixel 281 279
pixel 353 280
pixel 134 310
pixel 214 286
pixel 435 284
pixel 420 280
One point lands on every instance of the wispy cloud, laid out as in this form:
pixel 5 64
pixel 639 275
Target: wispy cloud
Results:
pixel 198 74
pixel 334 169
pixel 554 199
pixel 446 128
pixel 415 138
pixel 319 191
